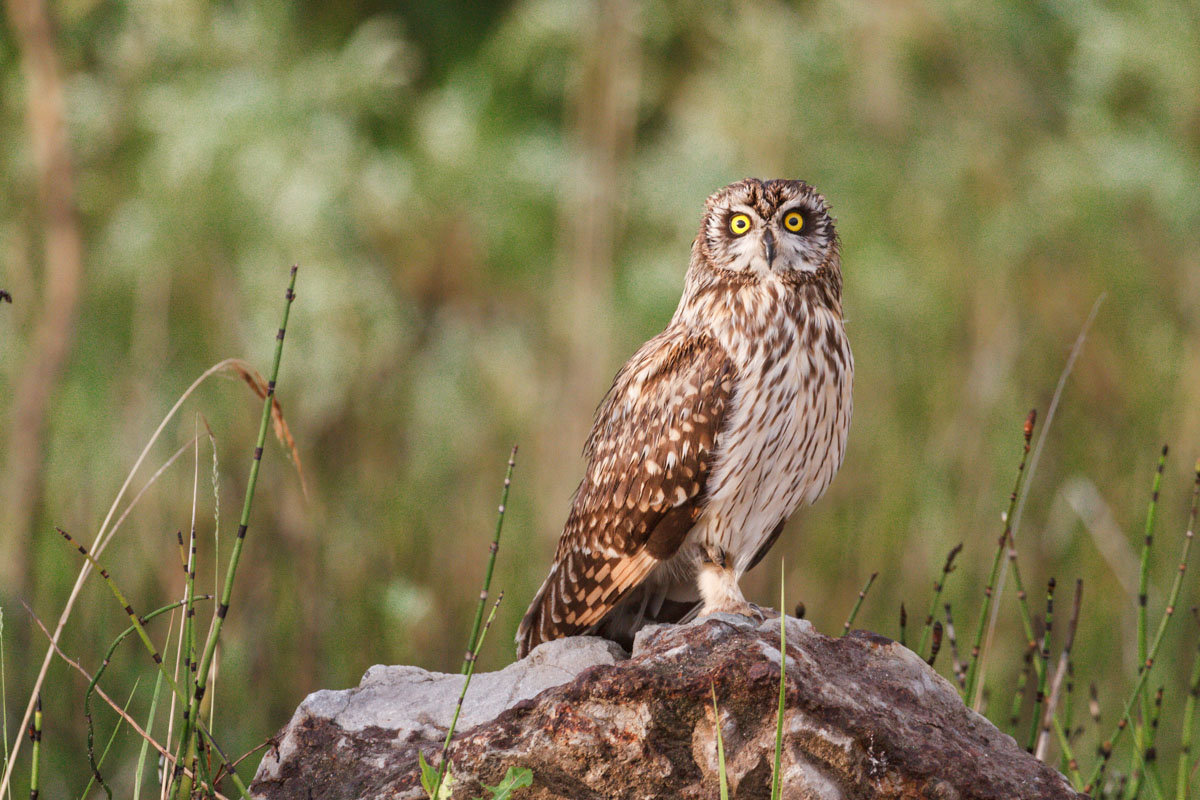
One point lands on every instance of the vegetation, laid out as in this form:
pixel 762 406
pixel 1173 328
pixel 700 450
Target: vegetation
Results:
pixel 493 204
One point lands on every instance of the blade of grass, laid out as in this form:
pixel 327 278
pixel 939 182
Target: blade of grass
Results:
pixel 777 772
pixel 262 745
pixel 722 779
pixel 903 625
pixel 492 550
pixel 216 537
pixel 141 762
pixel 947 568
pixel 1149 756
pixel 862 595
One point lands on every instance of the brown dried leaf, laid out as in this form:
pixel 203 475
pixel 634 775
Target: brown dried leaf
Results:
pixel 258 385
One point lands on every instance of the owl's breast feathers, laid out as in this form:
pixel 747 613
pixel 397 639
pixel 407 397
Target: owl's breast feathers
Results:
pixel 649 456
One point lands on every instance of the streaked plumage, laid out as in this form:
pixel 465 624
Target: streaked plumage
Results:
pixel 715 431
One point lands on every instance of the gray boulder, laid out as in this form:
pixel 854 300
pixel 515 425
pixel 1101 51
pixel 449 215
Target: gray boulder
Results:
pixel 865 718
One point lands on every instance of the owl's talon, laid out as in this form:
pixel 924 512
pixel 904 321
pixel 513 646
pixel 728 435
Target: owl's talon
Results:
pixel 742 609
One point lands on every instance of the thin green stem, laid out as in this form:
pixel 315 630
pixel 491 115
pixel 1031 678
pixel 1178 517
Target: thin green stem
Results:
pixel 1014 715
pixel 1043 655
pixel 445 765
pixel 1061 672
pixel 492 550
pixel 1148 757
pixel 1140 735
pixel 91 689
pixel 862 595
pixel 188 634
pixel 969 695
pixel 947 568
pixel 141 762
pixel 150 647
pixel 35 735
pixel 1182 779
pixel 1125 719
pixel 1068 715
pixel 1039 668
pixel 96 764
pixel 214 635
pixel 777 772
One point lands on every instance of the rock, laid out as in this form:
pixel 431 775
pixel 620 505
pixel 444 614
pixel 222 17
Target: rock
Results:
pixel 865 718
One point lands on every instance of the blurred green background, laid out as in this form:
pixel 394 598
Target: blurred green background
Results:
pixel 492 205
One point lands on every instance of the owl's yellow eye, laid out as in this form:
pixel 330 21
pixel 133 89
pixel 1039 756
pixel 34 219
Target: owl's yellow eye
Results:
pixel 793 221
pixel 739 224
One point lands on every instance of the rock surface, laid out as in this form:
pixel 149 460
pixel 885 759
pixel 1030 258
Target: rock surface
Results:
pixel 866 718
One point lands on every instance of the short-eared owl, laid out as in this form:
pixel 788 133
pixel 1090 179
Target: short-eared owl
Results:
pixel 715 431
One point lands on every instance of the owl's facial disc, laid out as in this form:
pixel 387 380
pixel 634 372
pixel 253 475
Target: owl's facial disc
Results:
pixel 761 228
pixel 743 241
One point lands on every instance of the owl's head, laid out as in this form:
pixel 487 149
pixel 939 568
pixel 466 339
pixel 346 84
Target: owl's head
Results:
pixel 753 228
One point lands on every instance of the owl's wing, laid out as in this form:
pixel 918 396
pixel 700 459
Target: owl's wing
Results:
pixel 648 461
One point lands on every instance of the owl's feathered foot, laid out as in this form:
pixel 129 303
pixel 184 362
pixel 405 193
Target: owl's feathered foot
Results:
pixel 718 584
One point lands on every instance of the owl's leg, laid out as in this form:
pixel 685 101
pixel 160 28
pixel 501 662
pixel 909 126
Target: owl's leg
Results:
pixel 718 584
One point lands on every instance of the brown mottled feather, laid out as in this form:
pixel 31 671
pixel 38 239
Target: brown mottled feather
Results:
pixel 634 519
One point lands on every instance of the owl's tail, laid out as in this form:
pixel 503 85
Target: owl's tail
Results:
pixel 531 631
pixel 559 609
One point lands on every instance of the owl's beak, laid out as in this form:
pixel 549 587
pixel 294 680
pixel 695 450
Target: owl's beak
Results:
pixel 769 245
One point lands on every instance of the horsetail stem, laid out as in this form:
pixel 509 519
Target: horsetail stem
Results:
pixel 1043 655
pixel 35 736
pixel 146 641
pixel 1141 736
pixel 976 655
pixel 469 654
pixel 210 645
pixel 1106 748
pixel 445 764
pixel 947 568
pixel 862 595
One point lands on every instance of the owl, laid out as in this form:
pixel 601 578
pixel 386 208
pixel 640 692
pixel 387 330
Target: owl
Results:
pixel 715 431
